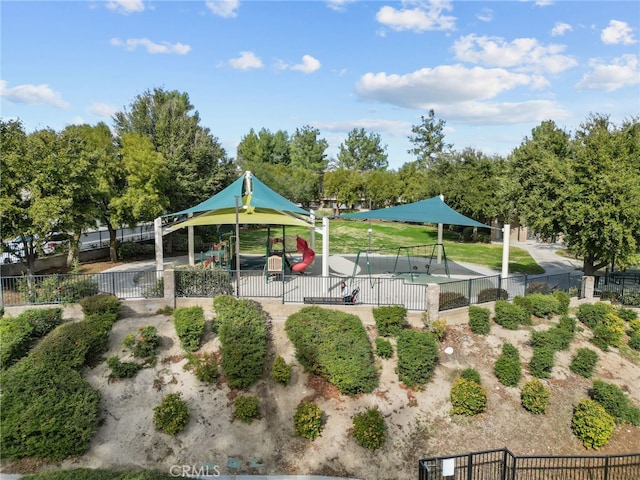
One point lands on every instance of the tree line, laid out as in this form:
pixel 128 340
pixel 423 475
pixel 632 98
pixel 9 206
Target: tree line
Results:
pixel 157 158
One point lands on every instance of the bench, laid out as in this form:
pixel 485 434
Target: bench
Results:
pixel 326 301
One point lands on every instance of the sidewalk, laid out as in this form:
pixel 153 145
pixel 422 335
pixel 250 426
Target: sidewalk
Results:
pixel 545 255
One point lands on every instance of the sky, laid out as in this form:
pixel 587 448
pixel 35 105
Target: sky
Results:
pixel 492 71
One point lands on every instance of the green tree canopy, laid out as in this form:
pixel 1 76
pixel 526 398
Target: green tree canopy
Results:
pixel 362 151
pixel 428 140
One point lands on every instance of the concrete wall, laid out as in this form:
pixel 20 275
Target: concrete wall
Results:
pixel 54 261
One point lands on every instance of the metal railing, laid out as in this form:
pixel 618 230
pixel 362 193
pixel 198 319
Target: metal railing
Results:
pixel 502 464
pixel 620 287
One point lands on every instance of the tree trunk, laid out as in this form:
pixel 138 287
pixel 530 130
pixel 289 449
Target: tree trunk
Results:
pixel 74 250
pixel 113 253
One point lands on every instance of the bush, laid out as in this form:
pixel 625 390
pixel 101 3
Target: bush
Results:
pixel 369 429
pixel 438 328
pixel 557 338
pixel 542 362
pixel 592 424
pixel 634 341
pixel 535 396
pixel 202 281
pixel 42 320
pixel 143 343
pixel 584 362
pixel 467 398
pixel 526 304
pixel 307 421
pixel 417 357
pixel 450 300
pixel 633 327
pixel 122 369
pixel 72 291
pixel 172 415
pixel 492 294
pixel 102 303
pixel 627 314
pixel 593 314
pixel 243 339
pixel 334 345
pixel 507 368
pixel 246 408
pixel 631 298
pixel 281 371
pixel 543 306
pixel 609 332
pixel 189 324
pixel 471 374
pixel 564 300
pixel 384 349
pixel 205 368
pixel 614 400
pixel 390 320
pixel 479 320
pixel 538 287
pixel 510 315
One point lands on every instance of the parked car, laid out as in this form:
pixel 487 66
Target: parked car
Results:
pixel 54 241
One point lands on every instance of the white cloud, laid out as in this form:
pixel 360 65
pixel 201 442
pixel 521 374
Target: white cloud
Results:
pixel 395 128
pixel 32 95
pixel 224 8
pixel 309 65
pixel 126 6
pixel 525 53
pixel 426 16
pixel 245 61
pixel 443 85
pixel 560 28
pixel 339 5
pixel 621 73
pixel 154 48
pixel 485 15
pixel 103 110
pixel 618 33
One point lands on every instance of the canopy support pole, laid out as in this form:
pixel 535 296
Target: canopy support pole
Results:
pixel 191 244
pixel 506 231
pixel 237 245
pixel 157 230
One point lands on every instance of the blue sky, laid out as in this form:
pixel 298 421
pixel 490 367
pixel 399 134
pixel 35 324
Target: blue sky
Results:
pixel 491 70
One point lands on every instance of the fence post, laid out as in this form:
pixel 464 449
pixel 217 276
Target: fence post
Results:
pixel 433 301
pixel 606 468
pixel 469 291
pixel 526 281
pixel 169 287
pixel 470 467
pixel 587 287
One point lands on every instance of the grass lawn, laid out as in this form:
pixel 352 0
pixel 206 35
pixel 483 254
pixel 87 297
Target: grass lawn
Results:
pixel 353 236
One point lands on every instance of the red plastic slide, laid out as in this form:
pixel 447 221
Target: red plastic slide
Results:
pixel 308 255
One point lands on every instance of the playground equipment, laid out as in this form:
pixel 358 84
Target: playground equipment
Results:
pixel 277 258
pixel 308 256
pixel 412 261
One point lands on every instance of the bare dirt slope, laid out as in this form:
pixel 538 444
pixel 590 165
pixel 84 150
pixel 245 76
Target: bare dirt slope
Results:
pixel 418 422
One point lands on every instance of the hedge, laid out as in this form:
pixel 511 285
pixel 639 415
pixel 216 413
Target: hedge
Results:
pixel 417 357
pixel 510 315
pixel 189 323
pixel 390 319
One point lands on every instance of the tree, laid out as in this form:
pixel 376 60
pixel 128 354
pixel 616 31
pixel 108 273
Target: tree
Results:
pixel 586 189
pixel 345 186
pixel 362 151
pixel 428 140
pixel 382 188
pixel 196 162
pixel 264 147
pixel 308 150
pixel 415 183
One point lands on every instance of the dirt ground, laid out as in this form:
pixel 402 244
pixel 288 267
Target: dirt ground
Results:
pixel 418 421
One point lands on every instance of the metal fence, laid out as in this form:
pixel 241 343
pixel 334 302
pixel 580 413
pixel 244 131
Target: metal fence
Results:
pixel 486 289
pixel 502 464
pixel 622 287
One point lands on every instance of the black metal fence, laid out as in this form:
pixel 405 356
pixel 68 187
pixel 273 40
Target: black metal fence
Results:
pixel 622 287
pixel 502 464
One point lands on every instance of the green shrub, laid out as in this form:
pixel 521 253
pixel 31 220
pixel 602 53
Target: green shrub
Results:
pixel 369 429
pixel 592 424
pixel 631 298
pixel 73 290
pixel 479 320
pixel 526 304
pixel 172 415
pixel 281 371
pixel 584 362
pixel 538 287
pixel 468 398
pixel 438 328
pixel 556 338
pixel 122 369
pixel 246 408
pixel 627 314
pixel 615 401
pixel 535 396
pixel 471 374
pixel 564 300
pixel 384 349
pixel 609 332
pixel 543 306
pixel 202 281
pixel 143 343
pixel 243 339
pixel 593 314
pixel 205 368
pixel 510 315
pixel 307 421
pixel 633 327
pixel 189 324
pixel 450 300
pixel 101 303
pixel 417 357
pixel 492 294
pixel 334 345
pixel 542 362
pixel 42 320
pixel 634 341
pixel 507 368
pixel 390 320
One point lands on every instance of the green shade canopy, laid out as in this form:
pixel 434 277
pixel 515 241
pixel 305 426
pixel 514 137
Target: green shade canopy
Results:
pixel 257 205
pixel 432 210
